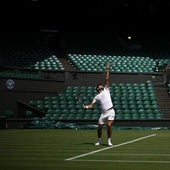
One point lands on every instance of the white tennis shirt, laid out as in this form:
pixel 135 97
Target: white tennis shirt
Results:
pixel 104 99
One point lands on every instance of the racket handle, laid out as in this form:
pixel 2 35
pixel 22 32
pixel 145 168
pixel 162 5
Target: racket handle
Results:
pixel 85 107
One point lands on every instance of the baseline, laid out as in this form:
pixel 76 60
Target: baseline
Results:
pixel 114 146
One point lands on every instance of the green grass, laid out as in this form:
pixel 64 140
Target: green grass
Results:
pixel 49 149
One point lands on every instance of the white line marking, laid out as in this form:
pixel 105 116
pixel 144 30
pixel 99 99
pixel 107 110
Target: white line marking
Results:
pixel 135 154
pixel 122 161
pixel 114 146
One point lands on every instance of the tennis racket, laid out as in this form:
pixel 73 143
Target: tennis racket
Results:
pixel 80 98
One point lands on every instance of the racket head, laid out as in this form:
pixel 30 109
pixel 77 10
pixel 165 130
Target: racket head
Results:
pixel 80 98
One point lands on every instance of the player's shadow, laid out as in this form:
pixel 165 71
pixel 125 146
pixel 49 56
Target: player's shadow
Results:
pixel 94 144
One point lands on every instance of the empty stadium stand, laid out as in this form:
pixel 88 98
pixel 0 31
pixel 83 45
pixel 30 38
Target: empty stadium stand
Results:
pixel 39 87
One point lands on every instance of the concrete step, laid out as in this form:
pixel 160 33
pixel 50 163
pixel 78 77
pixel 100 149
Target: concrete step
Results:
pixel 66 64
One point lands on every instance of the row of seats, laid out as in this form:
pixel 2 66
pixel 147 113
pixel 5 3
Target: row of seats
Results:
pixel 119 63
pixel 51 63
pixel 44 59
pixel 21 75
pixel 162 61
pixel 38 59
pixel 131 101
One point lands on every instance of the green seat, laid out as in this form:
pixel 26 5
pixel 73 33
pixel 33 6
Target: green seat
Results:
pixel 47 102
pixel 47 98
pixel 140 106
pixel 55 117
pixel 33 103
pixel 35 123
pixel 71 106
pixel 132 106
pixel 63 106
pixel 126 111
pixel 51 111
pixel 48 106
pixel 9 113
pixel 40 106
pixel 141 111
pixel 62 116
pixel 73 111
pixel 79 116
pixel 28 113
pixel 127 116
pixel 135 116
pixel 95 117
pixel 151 116
pixel 65 111
pixel 79 111
pixel 48 116
pixel 159 116
pixel 134 111
pixel 148 111
pixel 155 106
pixel 143 116
pixel 71 116
pixel 156 111
pixel 117 106
pixel 119 116
pixel 147 106
pixel 87 117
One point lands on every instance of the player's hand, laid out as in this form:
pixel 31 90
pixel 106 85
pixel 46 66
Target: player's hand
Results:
pixel 85 107
pixel 108 65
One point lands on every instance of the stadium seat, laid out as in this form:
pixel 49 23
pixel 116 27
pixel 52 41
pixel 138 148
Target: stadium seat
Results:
pixel 28 113
pixel 9 113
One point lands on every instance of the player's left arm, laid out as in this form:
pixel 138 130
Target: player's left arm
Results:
pixel 107 78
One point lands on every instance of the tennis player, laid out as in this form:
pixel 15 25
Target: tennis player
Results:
pixel 107 111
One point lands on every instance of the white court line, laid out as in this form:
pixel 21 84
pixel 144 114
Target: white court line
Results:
pixel 135 154
pixel 122 161
pixel 114 146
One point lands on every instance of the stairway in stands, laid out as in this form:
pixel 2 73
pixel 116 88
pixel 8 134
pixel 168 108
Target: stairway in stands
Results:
pixel 66 64
pixel 164 100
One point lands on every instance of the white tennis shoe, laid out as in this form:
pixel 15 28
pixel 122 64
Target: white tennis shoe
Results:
pixel 110 144
pixel 97 143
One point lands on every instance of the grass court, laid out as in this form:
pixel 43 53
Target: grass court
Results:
pixel 70 149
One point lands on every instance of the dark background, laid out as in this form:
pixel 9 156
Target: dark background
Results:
pixel 83 21
pixel 150 15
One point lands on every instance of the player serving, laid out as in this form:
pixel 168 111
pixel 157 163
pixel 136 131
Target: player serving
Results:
pixel 107 111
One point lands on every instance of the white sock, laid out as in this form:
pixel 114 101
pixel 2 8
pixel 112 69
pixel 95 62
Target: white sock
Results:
pixel 99 140
pixel 109 140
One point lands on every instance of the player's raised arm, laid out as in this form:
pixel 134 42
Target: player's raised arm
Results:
pixel 107 80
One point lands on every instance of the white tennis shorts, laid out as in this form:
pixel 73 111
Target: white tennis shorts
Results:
pixel 104 117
